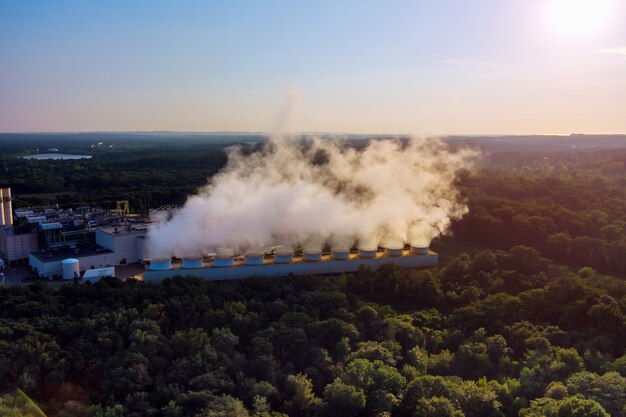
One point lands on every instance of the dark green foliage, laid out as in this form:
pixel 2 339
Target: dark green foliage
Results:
pixel 568 407
pixel 318 346
pixel 572 210
pixel 342 400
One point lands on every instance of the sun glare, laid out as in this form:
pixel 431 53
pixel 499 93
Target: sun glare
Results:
pixel 578 17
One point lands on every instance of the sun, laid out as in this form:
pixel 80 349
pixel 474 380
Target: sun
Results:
pixel 578 17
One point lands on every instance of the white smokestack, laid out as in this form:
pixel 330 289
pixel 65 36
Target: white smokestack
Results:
pixel 2 221
pixel 291 194
pixel 7 207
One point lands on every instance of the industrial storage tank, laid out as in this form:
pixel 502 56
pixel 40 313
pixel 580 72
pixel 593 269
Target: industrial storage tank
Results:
pixel 254 258
pixel 70 268
pixel 283 256
pixel 340 253
pixel 419 250
pixel 394 251
pixel 367 252
pixel 192 263
pixel 312 255
pixel 161 264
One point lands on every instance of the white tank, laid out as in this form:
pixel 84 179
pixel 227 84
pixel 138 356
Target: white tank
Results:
pixel 419 250
pixel 70 268
pixel 394 251
pixel 340 253
pixel 283 256
pixel 254 258
pixel 223 260
pixel 161 264
pixel 367 252
pixel 192 263
pixel 312 255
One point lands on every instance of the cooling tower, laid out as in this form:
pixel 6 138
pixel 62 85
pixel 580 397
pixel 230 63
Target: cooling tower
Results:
pixel 283 256
pixel 254 258
pixel 367 252
pixel 394 251
pixel 192 263
pixel 312 255
pixel 340 253
pixel 223 261
pixel 161 264
pixel 419 250
pixel 70 268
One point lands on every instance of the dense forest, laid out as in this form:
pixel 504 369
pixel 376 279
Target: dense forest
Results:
pixel 526 315
pixel 571 208
pixel 500 333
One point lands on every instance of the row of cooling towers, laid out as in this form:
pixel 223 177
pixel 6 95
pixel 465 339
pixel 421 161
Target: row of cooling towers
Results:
pixel 225 259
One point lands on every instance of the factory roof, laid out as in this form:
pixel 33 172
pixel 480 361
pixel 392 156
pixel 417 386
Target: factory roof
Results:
pixel 59 255
pixel 124 230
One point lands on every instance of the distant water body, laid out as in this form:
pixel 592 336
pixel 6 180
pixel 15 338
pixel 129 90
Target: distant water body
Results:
pixel 55 156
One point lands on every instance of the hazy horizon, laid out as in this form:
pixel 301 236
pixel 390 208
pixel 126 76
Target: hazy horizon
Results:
pixel 295 133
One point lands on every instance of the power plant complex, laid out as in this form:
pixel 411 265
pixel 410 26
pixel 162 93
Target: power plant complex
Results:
pixel 89 243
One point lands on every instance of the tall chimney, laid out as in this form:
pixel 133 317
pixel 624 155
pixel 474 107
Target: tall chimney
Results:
pixel 7 207
pixel 1 206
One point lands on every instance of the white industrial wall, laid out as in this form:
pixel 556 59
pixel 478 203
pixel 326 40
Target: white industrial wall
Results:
pixel 3 242
pixel 100 260
pixel 16 247
pixel 44 269
pixel 105 240
pixel 297 268
pixel 141 248
pixel 124 245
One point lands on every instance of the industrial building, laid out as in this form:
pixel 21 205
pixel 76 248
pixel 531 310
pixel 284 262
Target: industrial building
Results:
pixel 51 229
pixel 284 263
pixel 15 242
pixel 93 275
pixel 46 236
pixel 65 243
pixel 114 245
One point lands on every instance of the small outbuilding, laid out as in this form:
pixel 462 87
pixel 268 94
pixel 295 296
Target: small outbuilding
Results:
pixel 93 275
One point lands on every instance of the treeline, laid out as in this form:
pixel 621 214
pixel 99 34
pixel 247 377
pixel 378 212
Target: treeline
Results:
pixel 147 176
pixel 502 333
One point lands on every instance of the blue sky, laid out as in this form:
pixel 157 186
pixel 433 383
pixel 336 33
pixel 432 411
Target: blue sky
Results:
pixel 423 67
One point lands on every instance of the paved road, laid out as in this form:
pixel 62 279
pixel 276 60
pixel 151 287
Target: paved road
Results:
pixel 17 275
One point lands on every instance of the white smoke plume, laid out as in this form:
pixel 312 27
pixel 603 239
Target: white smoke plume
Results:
pixel 320 191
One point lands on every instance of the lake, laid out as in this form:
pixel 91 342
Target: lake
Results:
pixel 55 156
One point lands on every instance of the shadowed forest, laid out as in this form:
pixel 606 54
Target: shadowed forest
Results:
pixel 524 317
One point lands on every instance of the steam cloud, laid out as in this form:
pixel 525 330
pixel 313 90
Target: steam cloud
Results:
pixel 290 193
